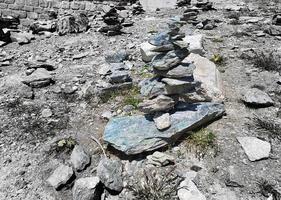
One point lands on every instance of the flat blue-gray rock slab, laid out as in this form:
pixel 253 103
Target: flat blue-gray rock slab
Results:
pixel 137 134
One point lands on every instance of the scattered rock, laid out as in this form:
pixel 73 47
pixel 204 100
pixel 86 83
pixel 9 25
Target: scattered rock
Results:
pixel 46 113
pixel 79 158
pixel 162 121
pixel 126 133
pixel 255 148
pixel 110 174
pixel 160 159
pixel 234 178
pixel 86 189
pixel 189 191
pixel 60 176
pixel 39 78
pixel 256 97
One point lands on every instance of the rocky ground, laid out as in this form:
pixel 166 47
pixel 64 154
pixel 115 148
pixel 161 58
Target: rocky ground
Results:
pixel 41 125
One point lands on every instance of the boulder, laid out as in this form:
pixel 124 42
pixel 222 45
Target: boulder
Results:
pixel 60 176
pixel 255 148
pixel 110 174
pixel 158 104
pixel 256 97
pixel 86 189
pixel 137 134
pixel 195 44
pixel 79 158
pixel 208 75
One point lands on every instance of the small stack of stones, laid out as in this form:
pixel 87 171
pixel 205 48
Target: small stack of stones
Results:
pixel 137 8
pixel 173 80
pixel 113 23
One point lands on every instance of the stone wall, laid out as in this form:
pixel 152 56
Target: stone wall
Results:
pixel 29 10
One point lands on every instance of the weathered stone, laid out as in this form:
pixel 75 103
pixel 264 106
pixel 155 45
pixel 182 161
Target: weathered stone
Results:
pixel 180 71
pixel 189 191
pixel 162 121
pixel 234 178
pixel 117 57
pixel 119 77
pixel 255 148
pixel 39 78
pixel 160 159
pixel 127 133
pixel 195 44
pixel 256 97
pixel 60 176
pixel 152 88
pixel 110 174
pixel 161 42
pixel 86 189
pixel 148 51
pixel 178 86
pixel 208 75
pixel 79 158
pixel 158 104
pixel 169 60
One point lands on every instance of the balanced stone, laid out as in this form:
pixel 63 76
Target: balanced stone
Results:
pixel 162 121
pixel 169 60
pixel 158 104
pixel 137 134
pixel 160 39
pixel 180 71
pixel 178 86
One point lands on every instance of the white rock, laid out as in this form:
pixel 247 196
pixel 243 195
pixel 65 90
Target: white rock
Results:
pixel 60 176
pixel 207 73
pixel 147 52
pixel 255 148
pixel 85 188
pixel 160 159
pixel 46 113
pixel 162 121
pixel 189 191
pixel 195 43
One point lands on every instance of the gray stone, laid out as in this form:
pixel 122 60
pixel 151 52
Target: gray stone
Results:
pixel 158 104
pixel 86 189
pixel 110 174
pixel 178 86
pixel 47 112
pixel 160 159
pixel 79 158
pixel 180 71
pixel 137 134
pixel 161 42
pixel 152 88
pixel 255 148
pixel 195 44
pixel 107 115
pixel 60 176
pixel 256 97
pixel 208 75
pixel 162 121
pixel 148 51
pixel 39 78
pixel 189 191
pixel 119 77
pixel 234 178
pixel 169 60
pixel 117 57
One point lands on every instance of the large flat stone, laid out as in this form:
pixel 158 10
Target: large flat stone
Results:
pixel 207 73
pixel 137 134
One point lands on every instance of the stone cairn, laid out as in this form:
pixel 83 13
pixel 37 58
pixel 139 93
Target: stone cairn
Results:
pixel 173 80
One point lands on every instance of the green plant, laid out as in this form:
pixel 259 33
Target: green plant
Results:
pixel 153 185
pixel 268 62
pixel 145 72
pixel 202 141
pixel 217 59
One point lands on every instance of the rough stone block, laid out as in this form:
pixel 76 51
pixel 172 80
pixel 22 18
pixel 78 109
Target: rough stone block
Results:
pixel 26 22
pixel 43 3
pixel 43 16
pixel 39 10
pixel 34 3
pixel 28 8
pixel 15 7
pixel 65 5
pixel 32 15
pixel 3 6
pixel 75 5
pixel 9 1
pixel 20 2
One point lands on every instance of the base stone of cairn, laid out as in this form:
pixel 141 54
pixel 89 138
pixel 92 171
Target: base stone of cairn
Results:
pixel 177 99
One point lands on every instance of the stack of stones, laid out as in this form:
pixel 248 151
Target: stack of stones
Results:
pixel 113 23
pixel 137 9
pixel 173 80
